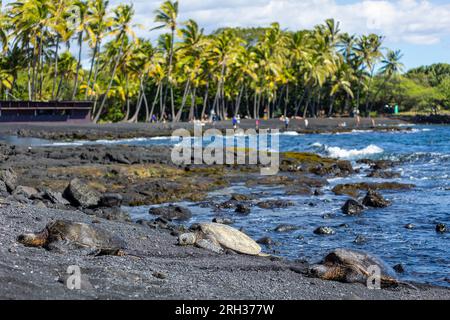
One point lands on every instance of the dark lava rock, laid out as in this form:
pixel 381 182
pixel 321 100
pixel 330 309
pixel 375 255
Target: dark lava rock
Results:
pixel 114 214
pixel 111 200
pixel 274 204
pixel 242 209
pixel 382 164
pixel 3 189
pixel 285 228
pixel 409 226
pixel 9 177
pixel 226 221
pixel 353 189
pixel 375 200
pixel 159 275
pixel 19 198
pixel 267 241
pixel 172 212
pixel 441 228
pixel 352 207
pixel 360 239
pixel 228 205
pixel 240 197
pixel 384 174
pixel 117 157
pixel 326 231
pixel 399 268
pixel 27 192
pixel 80 194
pixel 318 192
pixel 328 216
pixel 55 197
pixel 299 190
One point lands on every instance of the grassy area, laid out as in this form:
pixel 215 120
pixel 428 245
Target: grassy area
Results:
pixel 422 113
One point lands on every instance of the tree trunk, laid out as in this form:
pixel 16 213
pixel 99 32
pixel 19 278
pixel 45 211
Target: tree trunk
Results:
pixel 238 102
pixel 141 93
pixel 205 101
pixel 183 103
pixel 91 68
pixel 116 64
pixel 55 75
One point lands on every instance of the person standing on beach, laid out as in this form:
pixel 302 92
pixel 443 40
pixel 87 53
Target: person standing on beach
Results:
pixel 257 125
pixel 286 123
pixel 234 121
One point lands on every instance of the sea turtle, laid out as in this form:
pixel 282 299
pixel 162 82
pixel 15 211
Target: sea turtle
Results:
pixel 352 266
pixel 80 235
pixel 218 238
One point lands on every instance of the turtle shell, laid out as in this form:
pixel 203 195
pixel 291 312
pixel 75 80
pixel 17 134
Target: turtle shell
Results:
pixel 231 238
pixel 84 235
pixel 359 261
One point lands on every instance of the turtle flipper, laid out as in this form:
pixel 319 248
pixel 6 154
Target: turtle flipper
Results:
pixel 210 245
pixel 108 252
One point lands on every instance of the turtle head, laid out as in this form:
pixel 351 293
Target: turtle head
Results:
pixel 33 239
pixel 319 271
pixel 187 239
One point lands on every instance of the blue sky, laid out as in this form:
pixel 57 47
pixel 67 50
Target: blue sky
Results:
pixel 420 28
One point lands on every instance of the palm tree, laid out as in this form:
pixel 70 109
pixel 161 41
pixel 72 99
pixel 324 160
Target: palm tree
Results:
pixel 190 55
pixel 167 16
pixel 81 12
pixel 341 80
pixel 98 24
pixel 122 28
pixel 3 30
pixel 31 21
pixel 369 53
pixel 391 66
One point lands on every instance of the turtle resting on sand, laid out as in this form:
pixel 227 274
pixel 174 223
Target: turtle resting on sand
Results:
pixel 80 235
pixel 218 238
pixel 352 266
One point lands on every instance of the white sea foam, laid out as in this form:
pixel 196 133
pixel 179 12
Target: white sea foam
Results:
pixel 341 153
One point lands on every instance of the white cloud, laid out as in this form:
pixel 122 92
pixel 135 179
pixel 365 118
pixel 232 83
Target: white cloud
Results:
pixel 401 21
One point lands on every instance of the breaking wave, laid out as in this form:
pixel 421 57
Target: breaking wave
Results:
pixel 341 153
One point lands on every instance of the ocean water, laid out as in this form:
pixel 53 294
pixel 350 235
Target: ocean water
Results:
pixel 424 155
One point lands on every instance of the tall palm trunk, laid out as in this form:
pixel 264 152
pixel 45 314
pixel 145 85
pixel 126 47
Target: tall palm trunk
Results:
pixel 205 101
pixel 286 100
pixel 140 98
pixel 238 101
pixel 155 101
pixel 91 68
pixel 113 74
pixel 80 50
pixel 29 74
pixel 183 103
pixel 193 106
pixel 55 74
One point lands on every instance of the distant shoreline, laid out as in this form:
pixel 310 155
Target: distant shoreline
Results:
pixel 65 131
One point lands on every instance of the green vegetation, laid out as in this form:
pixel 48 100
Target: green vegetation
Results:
pixel 186 74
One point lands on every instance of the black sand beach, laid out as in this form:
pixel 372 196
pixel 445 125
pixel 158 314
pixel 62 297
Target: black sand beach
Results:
pixel 162 269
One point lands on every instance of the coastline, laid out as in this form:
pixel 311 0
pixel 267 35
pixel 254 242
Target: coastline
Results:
pixel 91 132
pixel 188 273
pixel 164 270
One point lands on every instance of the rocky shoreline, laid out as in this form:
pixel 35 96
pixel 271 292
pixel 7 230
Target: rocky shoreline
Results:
pixel 89 184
